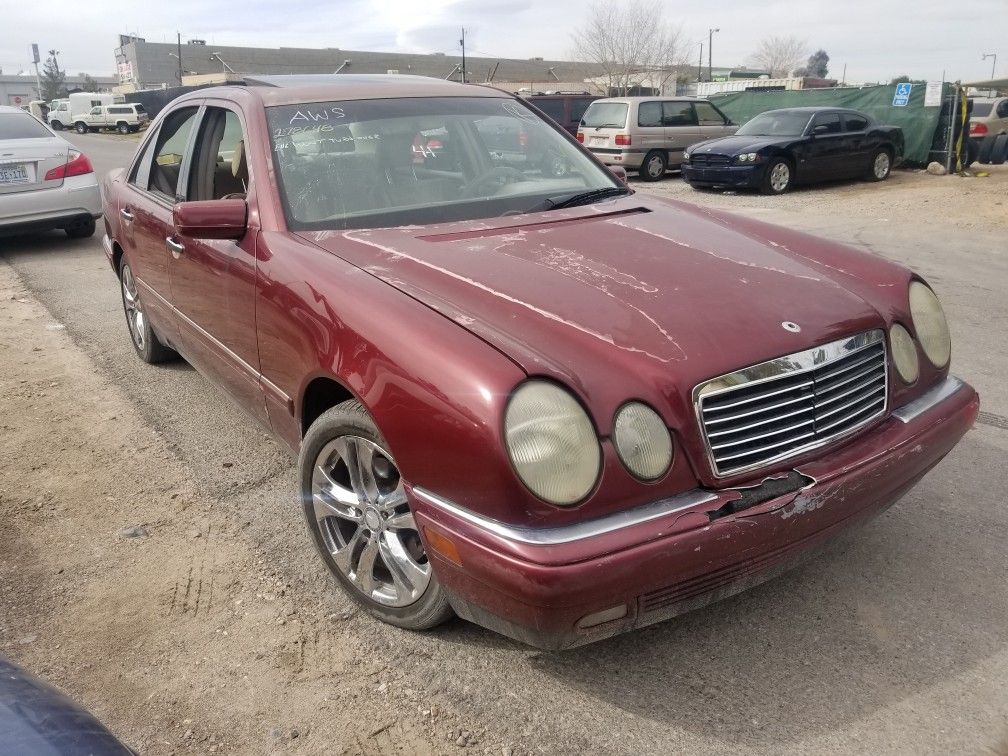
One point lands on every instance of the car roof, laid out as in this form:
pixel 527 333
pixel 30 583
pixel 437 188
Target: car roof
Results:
pixel 293 89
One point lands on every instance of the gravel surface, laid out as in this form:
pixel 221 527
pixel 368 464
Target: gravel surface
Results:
pixel 154 564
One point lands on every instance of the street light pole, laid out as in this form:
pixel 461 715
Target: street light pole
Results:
pixel 462 42
pixel 994 64
pixel 179 41
pixel 710 56
pixel 699 68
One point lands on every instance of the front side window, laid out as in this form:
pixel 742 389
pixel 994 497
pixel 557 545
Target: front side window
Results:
pixel 219 169
pixel 372 163
pixel 679 114
pixel 158 170
pixel 828 123
pixel 708 115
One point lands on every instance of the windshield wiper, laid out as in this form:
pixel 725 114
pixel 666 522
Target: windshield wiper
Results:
pixel 580 198
pixel 608 126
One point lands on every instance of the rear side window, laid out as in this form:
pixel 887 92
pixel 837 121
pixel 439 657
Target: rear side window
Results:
pixel 139 108
pixel 708 115
pixel 611 115
pixel 679 114
pixel 551 107
pixel 855 122
pixel 649 114
pixel 21 126
pixel 578 107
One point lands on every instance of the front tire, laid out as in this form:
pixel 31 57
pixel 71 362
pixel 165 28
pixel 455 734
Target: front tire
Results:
pixel 80 127
pixel 57 126
pixel 123 128
pixel 654 166
pixel 146 343
pixel 360 521
pixel 778 177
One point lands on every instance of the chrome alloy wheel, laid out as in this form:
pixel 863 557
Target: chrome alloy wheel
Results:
pixel 881 165
pixel 134 310
pixel 365 522
pixel 780 177
pixel 655 168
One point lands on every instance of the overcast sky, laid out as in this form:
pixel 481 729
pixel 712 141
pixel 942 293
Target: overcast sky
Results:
pixel 876 39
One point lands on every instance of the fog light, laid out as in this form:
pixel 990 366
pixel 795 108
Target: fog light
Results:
pixel 600 618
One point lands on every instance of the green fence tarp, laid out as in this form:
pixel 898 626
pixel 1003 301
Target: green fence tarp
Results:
pixel 918 123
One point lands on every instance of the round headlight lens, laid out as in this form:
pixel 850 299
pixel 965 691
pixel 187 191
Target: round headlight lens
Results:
pixel 552 443
pixel 929 322
pixel 904 353
pixel 642 441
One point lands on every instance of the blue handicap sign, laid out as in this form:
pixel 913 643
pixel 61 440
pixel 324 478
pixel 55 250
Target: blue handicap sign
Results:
pixel 902 96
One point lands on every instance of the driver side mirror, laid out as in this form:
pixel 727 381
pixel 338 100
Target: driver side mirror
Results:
pixel 822 128
pixel 619 172
pixel 211 219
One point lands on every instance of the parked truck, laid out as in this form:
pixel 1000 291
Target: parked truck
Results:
pixel 67 110
pixel 124 117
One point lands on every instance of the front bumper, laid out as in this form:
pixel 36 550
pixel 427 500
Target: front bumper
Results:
pixel 735 176
pixel 648 564
pixel 79 196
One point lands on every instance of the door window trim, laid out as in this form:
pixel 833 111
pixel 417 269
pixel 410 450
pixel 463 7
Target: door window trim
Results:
pixel 151 142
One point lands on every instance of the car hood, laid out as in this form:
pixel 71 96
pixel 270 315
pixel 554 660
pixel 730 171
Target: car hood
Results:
pixel 632 295
pixel 734 145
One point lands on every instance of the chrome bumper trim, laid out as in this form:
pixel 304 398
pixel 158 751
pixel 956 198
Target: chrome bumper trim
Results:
pixel 912 410
pixel 577 531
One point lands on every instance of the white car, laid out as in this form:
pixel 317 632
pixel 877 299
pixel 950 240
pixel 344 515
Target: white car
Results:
pixel 45 182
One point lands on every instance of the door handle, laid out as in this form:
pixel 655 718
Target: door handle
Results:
pixel 174 247
pixel 126 215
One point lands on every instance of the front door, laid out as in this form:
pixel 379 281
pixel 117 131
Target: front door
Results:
pixel 712 122
pixel 681 129
pixel 827 149
pixel 213 280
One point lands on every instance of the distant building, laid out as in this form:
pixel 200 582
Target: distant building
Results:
pixel 155 65
pixel 20 90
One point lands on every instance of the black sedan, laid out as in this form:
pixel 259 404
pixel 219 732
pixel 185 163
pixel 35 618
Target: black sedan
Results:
pixel 779 148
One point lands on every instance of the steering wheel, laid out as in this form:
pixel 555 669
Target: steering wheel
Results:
pixel 502 174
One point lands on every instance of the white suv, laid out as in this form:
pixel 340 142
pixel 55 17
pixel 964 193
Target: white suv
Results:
pixel 123 117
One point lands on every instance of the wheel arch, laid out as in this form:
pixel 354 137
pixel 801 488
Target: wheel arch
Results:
pixel 117 255
pixel 320 394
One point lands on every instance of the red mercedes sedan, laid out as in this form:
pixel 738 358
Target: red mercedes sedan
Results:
pixel 520 392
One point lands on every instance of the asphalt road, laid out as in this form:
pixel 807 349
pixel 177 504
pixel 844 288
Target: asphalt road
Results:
pixel 894 640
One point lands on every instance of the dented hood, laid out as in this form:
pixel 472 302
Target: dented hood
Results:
pixel 603 295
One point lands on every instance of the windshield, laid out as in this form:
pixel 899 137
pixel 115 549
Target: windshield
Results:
pixel 776 123
pixel 373 163
pixel 605 115
pixel 21 126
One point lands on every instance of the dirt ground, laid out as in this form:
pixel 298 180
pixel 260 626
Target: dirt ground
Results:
pixel 126 586
pixel 175 596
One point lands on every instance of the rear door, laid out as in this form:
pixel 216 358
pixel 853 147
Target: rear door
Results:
pixel 145 210
pixel 649 131
pixel 28 152
pixel 681 129
pixel 859 146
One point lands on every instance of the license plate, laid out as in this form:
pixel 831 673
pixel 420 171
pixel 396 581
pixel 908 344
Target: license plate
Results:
pixel 597 141
pixel 14 174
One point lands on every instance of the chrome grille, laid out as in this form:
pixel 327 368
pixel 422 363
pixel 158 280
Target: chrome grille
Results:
pixel 704 159
pixel 783 407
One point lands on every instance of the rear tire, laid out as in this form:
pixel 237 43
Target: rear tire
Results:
pixel 82 230
pixel 999 152
pixel 146 343
pixel 56 126
pixel 778 176
pixel 880 166
pixel 986 145
pixel 970 150
pixel 654 166
pixel 369 524
pixel 123 128
pixel 80 127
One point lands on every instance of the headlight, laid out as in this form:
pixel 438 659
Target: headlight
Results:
pixel 748 157
pixel 642 441
pixel 904 353
pixel 685 155
pixel 552 443
pixel 929 322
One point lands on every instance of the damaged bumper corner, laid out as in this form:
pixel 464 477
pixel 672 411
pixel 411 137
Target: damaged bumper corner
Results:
pixel 547 587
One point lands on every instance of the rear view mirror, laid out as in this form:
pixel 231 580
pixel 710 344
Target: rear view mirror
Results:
pixel 619 172
pixel 211 219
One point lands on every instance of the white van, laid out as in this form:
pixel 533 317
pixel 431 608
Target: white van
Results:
pixel 69 109
pixel 649 134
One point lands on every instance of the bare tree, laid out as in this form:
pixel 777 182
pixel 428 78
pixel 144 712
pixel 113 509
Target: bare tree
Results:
pixel 632 44
pixel 779 56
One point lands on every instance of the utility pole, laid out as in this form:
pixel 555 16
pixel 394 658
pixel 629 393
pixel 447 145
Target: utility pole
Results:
pixel 462 42
pixel 179 39
pixel 994 64
pixel 699 68
pixel 710 45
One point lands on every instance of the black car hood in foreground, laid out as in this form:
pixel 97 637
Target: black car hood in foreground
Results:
pixel 736 145
pixel 38 720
